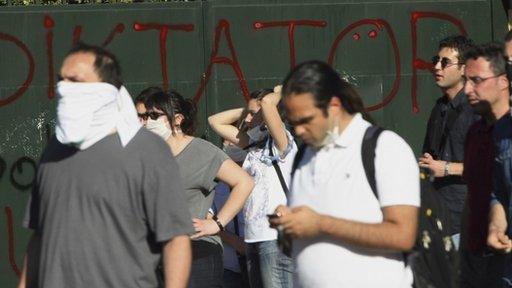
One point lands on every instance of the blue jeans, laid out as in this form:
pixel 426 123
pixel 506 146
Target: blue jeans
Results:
pixel 267 266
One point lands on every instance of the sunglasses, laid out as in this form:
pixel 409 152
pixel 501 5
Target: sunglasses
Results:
pixel 445 62
pixel 153 115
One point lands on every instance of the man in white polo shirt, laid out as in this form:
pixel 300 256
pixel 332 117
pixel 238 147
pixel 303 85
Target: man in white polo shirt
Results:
pixel 343 235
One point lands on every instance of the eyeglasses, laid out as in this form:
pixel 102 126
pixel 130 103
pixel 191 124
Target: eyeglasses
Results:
pixel 153 115
pixel 476 80
pixel 445 62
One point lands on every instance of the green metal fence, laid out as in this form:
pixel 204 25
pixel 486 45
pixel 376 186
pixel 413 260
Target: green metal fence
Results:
pixel 216 52
pixel 75 2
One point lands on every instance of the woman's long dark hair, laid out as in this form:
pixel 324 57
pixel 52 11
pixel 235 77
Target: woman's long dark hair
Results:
pixel 172 103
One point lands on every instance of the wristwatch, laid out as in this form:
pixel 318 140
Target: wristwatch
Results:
pixel 446 168
pixel 221 227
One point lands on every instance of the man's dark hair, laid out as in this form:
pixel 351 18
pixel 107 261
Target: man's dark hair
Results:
pixel 105 64
pixel 144 94
pixel 172 103
pixel 459 43
pixel 319 79
pixel 491 52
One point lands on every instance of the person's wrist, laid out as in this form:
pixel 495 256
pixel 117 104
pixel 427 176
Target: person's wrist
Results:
pixel 446 168
pixel 219 224
pixel 321 224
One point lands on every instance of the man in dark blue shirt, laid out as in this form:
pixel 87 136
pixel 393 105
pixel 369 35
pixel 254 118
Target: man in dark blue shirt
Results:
pixel 491 84
pixel 480 267
pixel 450 119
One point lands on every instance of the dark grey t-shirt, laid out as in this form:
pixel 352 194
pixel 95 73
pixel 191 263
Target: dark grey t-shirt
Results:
pixel 199 164
pixel 102 212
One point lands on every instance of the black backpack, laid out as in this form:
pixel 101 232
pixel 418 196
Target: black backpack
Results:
pixel 433 258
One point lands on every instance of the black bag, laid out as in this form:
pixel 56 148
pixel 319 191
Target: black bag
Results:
pixel 433 258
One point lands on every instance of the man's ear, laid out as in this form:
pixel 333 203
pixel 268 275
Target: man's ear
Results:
pixel 463 68
pixel 503 81
pixel 334 106
pixel 335 102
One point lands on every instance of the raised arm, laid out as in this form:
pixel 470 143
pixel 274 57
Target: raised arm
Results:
pixel 222 124
pixel 241 185
pixel 273 119
pixel 177 258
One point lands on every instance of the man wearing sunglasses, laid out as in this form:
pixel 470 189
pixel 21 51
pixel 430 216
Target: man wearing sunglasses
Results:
pixel 108 204
pixel 450 119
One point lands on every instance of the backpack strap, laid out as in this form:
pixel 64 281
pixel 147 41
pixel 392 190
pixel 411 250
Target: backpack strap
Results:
pixel 298 157
pixel 371 135
pixel 368 155
pixel 276 166
pixel 237 225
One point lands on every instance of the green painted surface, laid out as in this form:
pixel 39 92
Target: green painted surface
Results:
pixel 263 57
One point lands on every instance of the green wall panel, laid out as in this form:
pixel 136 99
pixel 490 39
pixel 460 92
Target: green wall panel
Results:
pixel 379 34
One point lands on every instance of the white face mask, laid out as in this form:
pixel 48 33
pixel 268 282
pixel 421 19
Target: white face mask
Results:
pixel 87 112
pixel 256 134
pixel 234 152
pixel 332 134
pixel 160 127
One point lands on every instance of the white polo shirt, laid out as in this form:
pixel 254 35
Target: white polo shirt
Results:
pixel 332 181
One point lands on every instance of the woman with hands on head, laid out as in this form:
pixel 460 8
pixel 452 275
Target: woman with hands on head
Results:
pixel 201 165
pixel 271 148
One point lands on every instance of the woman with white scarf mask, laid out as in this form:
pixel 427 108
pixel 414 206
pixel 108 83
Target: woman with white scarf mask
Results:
pixel 201 165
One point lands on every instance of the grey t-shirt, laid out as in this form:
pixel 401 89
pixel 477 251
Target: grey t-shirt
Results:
pixel 199 164
pixel 102 213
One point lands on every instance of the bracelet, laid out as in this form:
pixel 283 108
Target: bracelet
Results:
pixel 446 168
pixel 221 227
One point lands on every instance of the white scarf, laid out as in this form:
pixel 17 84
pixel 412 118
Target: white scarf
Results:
pixel 87 112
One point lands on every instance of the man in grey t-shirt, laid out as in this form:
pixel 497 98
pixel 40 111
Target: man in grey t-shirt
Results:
pixel 108 200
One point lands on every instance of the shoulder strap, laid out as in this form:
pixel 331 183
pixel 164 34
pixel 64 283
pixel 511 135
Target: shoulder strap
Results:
pixel 237 225
pixel 298 157
pixel 276 166
pixel 368 155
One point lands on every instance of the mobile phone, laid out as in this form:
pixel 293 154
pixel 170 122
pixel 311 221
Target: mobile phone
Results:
pixel 272 216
